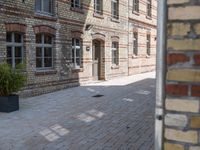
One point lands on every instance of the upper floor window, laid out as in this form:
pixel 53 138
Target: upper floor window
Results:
pixel 149 7
pixel 44 51
pixel 44 6
pixel 98 6
pixel 136 5
pixel 14 43
pixel 135 43
pixel 115 53
pixel 76 52
pixel 115 9
pixel 148 44
pixel 76 3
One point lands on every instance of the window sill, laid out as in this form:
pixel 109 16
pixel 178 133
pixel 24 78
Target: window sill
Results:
pixel 74 70
pixel 148 17
pixel 136 13
pixel 114 20
pixel 78 10
pixel 100 16
pixel 115 67
pixel 39 15
pixel 45 72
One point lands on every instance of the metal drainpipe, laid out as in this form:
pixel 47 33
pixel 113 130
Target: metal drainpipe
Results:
pixel 160 73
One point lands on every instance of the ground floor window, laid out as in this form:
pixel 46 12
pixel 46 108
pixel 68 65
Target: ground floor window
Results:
pixel 44 51
pixel 76 52
pixel 14 48
pixel 135 43
pixel 115 53
pixel 148 44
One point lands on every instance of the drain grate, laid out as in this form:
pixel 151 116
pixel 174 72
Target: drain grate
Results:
pixel 98 95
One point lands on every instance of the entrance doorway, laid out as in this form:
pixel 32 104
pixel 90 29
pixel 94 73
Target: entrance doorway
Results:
pixel 98 63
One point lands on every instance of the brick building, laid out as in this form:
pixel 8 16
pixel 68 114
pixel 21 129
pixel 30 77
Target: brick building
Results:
pixel 64 43
pixel 181 102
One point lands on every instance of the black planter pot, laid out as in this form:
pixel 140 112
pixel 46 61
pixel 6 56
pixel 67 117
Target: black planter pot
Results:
pixel 9 103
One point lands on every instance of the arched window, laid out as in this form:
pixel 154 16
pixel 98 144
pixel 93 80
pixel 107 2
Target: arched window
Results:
pixel 14 42
pixel 44 51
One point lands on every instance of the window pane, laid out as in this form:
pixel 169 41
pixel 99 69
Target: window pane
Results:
pixel 78 61
pixel 38 52
pixel 73 55
pixel 18 51
pixel 9 52
pixel 47 39
pixel 47 52
pixel 77 42
pixel 38 5
pixel 47 62
pixel 18 61
pixel 18 38
pixel 9 61
pixel 77 52
pixel 72 3
pixel 39 38
pixel 39 62
pixel 77 3
pixel 8 37
pixel 46 6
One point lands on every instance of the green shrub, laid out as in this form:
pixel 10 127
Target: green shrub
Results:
pixel 11 80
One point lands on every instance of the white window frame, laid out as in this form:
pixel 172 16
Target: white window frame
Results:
pixel 73 4
pixel 148 44
pixel 96 4
pixel 149 8
pixel 43 46
pixel 113 49
pixel 136 6
pixel 76 47
pixel 13 44
pixel 113 11
pixel 41 10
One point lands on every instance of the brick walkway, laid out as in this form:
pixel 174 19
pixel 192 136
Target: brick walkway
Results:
pixel 72 119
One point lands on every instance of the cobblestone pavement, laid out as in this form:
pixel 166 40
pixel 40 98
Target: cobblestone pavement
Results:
pixel 121 117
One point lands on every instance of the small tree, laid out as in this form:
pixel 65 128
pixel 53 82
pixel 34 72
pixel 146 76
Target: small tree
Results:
pixel 11 80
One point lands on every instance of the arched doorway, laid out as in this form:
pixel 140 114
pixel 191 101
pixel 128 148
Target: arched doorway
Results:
pixel 98 58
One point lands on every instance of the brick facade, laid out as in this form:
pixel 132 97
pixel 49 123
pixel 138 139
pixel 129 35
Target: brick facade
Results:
pixel 66 23
pixel 182 105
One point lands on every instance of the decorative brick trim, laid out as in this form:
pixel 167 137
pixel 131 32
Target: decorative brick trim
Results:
pixel 76 34
pixel 44 29
pixel 115 38
pixel 98 36
pixel 15 27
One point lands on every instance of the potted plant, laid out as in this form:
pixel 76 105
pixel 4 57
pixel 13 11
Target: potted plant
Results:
pixel 11 81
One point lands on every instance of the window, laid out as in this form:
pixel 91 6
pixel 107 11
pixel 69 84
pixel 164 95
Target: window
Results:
pixel 98 6
pixel 148 44
pixel 76 3
pixel 136 6
pixel 149 8
pixel 76 52
pixel 44 53
pixel 14 48
pixel 135 43
pixel 114 9
pixel 44 6
pixel 115 53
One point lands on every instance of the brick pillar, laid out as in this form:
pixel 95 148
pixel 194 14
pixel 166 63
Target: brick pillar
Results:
pixel 182 105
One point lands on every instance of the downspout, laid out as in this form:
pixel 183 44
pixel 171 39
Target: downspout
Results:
pixel 160 73
pixel 128 40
